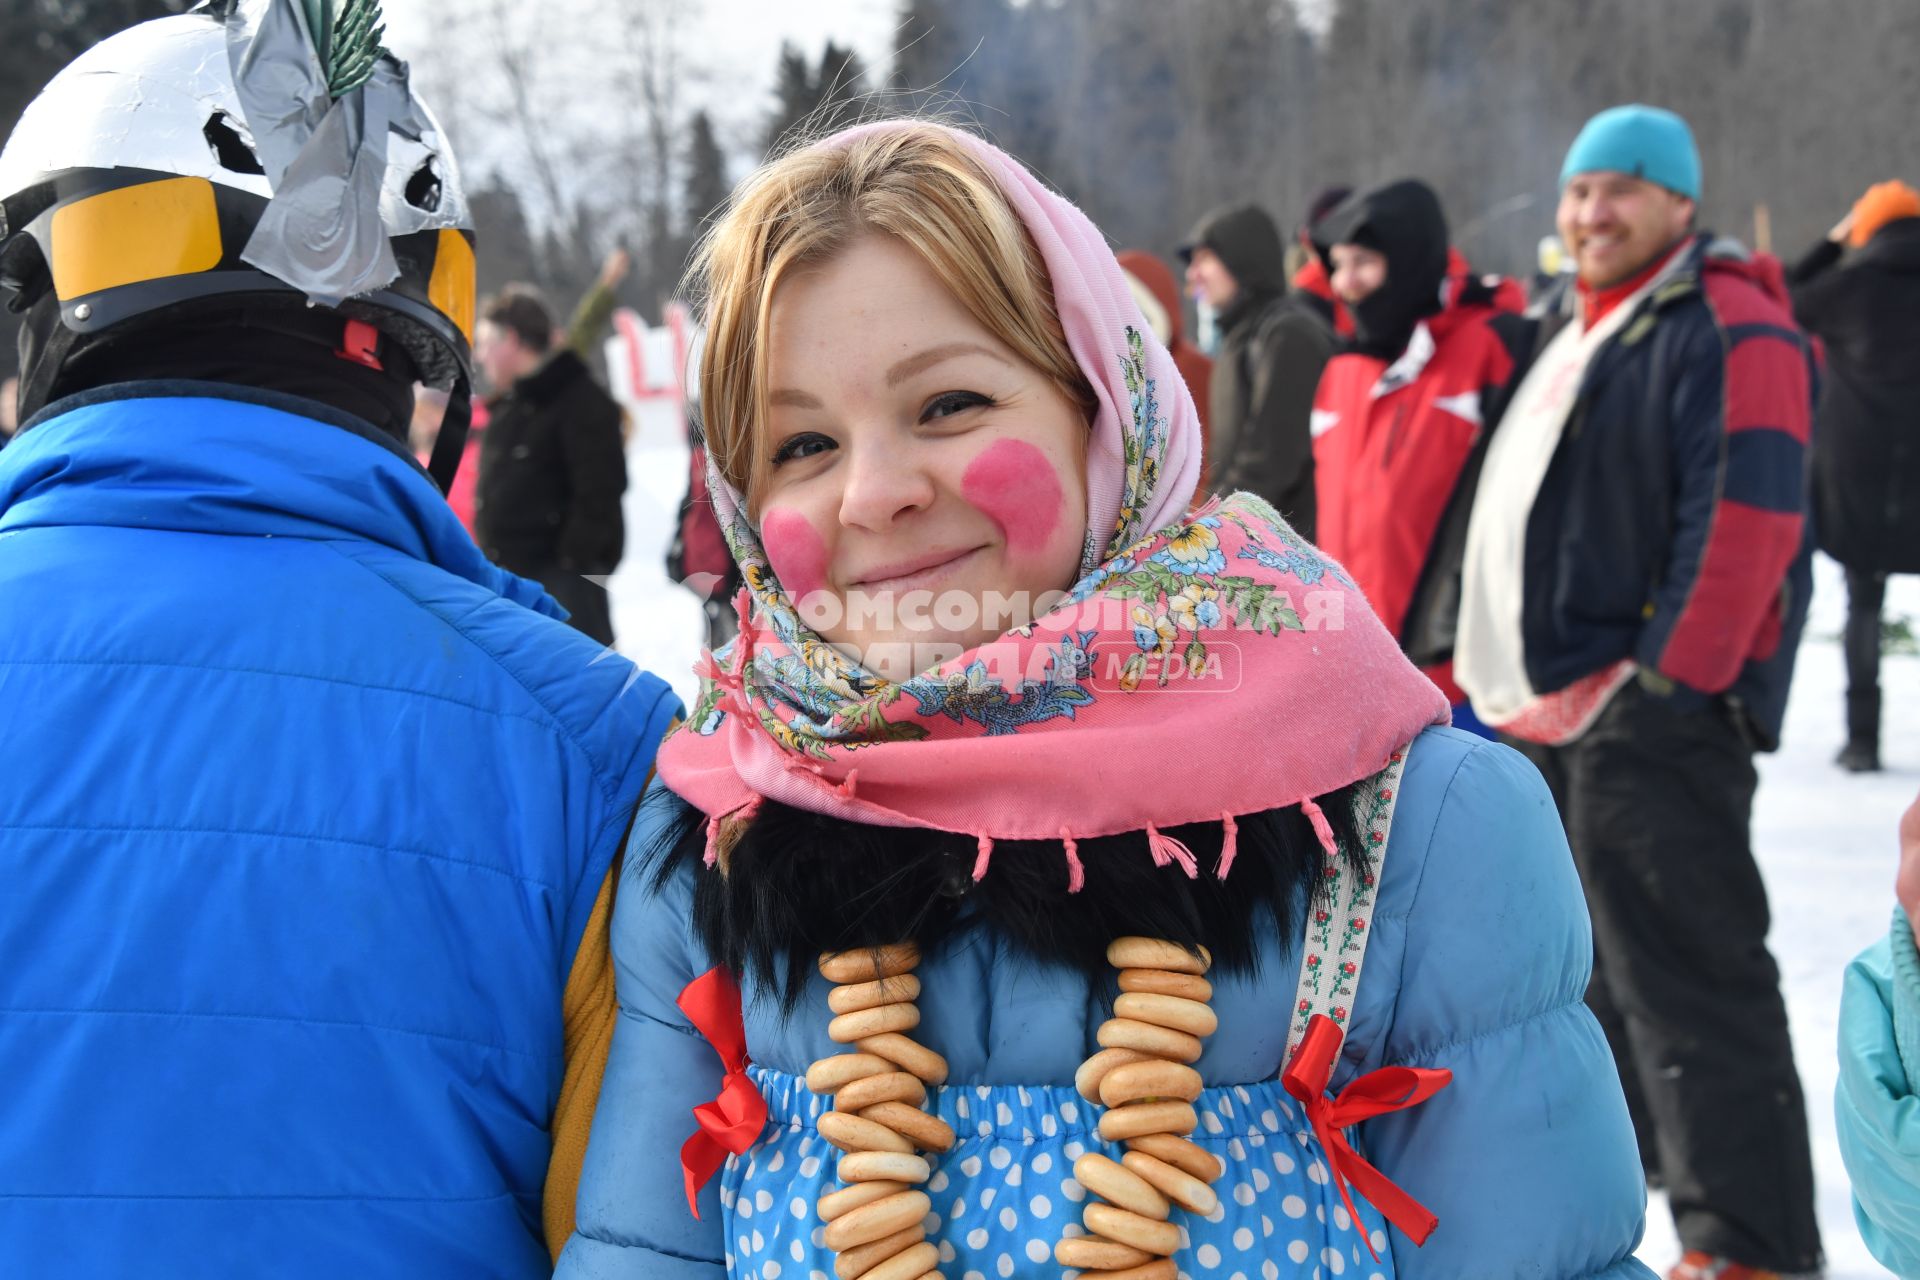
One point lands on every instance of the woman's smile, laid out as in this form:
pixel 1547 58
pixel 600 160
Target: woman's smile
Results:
pixel 922 573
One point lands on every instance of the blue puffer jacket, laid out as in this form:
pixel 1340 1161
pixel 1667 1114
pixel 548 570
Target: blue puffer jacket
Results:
pixel 1478 963
pixel 1877 1104
pixel 300 826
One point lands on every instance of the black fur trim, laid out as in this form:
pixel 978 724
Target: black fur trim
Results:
pixel 798 884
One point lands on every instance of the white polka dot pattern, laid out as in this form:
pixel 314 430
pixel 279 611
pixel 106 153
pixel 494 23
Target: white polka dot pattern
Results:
pixel 1275 1219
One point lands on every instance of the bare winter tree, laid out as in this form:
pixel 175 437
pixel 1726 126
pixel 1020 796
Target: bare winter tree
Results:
pixel 1149 113
pixel 496 87
pixel 579 110
pixel 651 75
pixel 519 55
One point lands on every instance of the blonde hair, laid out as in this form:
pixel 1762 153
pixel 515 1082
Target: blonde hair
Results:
pixel 913 181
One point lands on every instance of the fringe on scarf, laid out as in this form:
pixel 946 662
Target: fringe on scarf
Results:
pixel 794 884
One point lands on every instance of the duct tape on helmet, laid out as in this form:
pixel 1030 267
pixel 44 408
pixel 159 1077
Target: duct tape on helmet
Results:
pixel 360 208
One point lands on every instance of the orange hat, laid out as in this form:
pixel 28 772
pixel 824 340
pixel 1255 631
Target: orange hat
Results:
pixel 1884 202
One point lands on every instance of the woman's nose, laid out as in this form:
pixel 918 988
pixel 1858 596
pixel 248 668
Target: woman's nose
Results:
pixel 883 483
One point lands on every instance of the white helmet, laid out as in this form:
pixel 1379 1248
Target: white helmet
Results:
pixel 232 156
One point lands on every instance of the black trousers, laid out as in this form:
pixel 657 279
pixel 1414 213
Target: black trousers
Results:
pixel 1866 594
pixel 1657 803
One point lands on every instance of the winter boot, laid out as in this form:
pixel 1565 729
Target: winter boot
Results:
pixel 1859 757
pixel 1862 752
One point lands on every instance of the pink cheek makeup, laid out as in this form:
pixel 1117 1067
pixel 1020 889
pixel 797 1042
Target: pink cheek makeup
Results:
pixel 796 552
pixel 1016 486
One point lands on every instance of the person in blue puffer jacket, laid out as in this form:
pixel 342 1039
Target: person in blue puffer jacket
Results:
pixel 1877 1103
pixel 1194 753
pixel 309 814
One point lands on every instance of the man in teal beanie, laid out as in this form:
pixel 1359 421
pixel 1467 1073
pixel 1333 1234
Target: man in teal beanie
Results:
pixel 1645 160
pixel 1634 587
pixel 1641 142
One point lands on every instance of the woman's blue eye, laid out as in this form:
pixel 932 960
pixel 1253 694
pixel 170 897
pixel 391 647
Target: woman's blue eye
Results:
pixel 804 445
pixel 948 403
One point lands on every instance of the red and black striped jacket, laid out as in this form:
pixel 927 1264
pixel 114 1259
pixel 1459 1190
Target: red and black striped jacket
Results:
pixel 1671 526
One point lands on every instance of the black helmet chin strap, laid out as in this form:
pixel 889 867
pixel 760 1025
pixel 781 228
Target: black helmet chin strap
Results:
pixel 45 345
pixel 451 444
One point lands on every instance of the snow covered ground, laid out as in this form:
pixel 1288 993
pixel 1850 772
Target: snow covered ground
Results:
pixel 656 622
pixel 1825 839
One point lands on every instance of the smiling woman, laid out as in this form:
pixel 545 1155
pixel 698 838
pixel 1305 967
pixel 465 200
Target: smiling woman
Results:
pixel 887 357
pixel 930 201
pixel 904 841
pixel 907 448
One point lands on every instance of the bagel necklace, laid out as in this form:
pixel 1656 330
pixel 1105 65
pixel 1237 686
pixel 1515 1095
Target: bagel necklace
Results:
pixel 1142 1075
pixel 874 1222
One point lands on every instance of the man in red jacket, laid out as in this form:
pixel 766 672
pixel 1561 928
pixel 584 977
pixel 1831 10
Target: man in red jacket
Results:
pixel 1635 586
pixel 1401 417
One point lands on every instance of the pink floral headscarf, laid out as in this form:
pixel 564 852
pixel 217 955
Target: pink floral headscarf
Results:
pixel 1208 663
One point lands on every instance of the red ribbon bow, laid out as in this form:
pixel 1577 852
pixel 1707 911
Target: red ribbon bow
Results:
pixel 733 1120
pixel 1374 1094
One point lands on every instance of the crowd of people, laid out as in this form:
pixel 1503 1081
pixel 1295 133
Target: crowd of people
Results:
pixel 1588 517
pixel 362 918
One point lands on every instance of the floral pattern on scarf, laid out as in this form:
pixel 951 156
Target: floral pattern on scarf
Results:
pixel 1178 598
pixel 1144 451
pixel 1223 604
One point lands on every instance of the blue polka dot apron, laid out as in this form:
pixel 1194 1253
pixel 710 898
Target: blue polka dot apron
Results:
pixel 1006 1193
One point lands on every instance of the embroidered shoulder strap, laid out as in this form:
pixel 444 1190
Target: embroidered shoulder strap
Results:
pixel 1335 945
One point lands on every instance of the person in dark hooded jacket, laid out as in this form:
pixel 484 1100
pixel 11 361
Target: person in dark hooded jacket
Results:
pixel 1401 419
pixel 1866 450
pixel 1272 350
